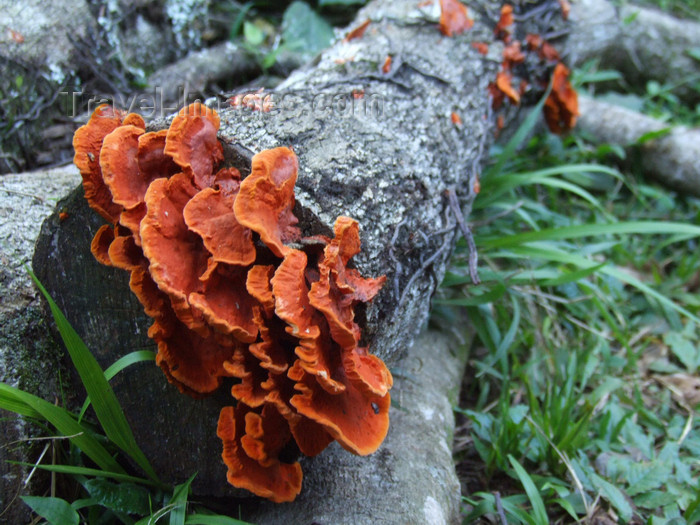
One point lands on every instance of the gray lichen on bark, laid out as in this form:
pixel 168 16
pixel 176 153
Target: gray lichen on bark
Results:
pixel 387 157
pixel 29 359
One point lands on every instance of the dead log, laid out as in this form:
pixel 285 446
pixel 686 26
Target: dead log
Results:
pixel 379 147
pixel 377 144
pixel 672 158
pixel 640 42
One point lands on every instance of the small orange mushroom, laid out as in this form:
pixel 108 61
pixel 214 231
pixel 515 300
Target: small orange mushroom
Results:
pixel 87 143
pixel 454 18
pixel 386 67
pixel 191 142
pixel 266 199
pixel 359 422
pixel 210 214
pixel 277 481
pixel 481 47
pixel 100 244
pixel 225 304
pixel 512 54
pixel 504 27
pixel 565 8
pixel 561 107
pixel 195 364
pixel 358 31
pixel 177 257
pixel 503 82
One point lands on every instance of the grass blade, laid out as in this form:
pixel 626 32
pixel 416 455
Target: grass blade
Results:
pixel 120 364
pixel 538 508
pixel 54 510
pixel 588 230
pixel 11 404
pixel 105 403
pixel 548 253
pixel 179 502
pixel 519 136
pixel 66 424
pixel 86 471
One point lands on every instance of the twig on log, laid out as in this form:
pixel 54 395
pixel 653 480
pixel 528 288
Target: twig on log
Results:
pixel 467 234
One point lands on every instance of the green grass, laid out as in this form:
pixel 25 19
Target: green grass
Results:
pixel 581 397
pixel 92 457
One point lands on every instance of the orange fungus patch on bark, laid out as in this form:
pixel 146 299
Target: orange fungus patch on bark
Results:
pixel 453 18
pixel 234 290
pixel 561 106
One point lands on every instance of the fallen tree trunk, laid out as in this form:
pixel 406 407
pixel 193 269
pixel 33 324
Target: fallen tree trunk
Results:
pixel 380 147
pixel 640 42
pixel 672 158
pixel 377 144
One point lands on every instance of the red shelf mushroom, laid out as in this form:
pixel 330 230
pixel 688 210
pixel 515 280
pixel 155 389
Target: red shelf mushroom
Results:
pixel 235 291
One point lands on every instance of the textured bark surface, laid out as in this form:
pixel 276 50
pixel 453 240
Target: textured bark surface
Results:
pixel 387 160
pixel 29 359
pixel 673 159
pixel 642 43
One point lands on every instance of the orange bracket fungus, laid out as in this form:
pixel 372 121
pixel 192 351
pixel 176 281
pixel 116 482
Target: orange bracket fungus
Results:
pixel 235 290
pixel 561 106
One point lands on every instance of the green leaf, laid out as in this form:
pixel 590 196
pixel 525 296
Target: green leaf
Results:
pixel 651 135
pixel 86 471
pixel 630 18
pixel 54 510
pixel 694 52
pixel 12 404
pixel 179 502
pixel 575 276
pixel 495 186
pixel 253 34
pixel 614 495
pixel 304 31
pixel 127 498
pixel 589 230
pixel 687 351
pixel 547 252
pixel 270 58
pixel 120 364
pixel 600 76
pixel 238 21
pixel 654 499
pixel 105 403
pixel 538 508
pixel 66 424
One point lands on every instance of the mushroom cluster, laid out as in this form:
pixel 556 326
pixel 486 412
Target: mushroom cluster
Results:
pixel 561 106
pixel 234 290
